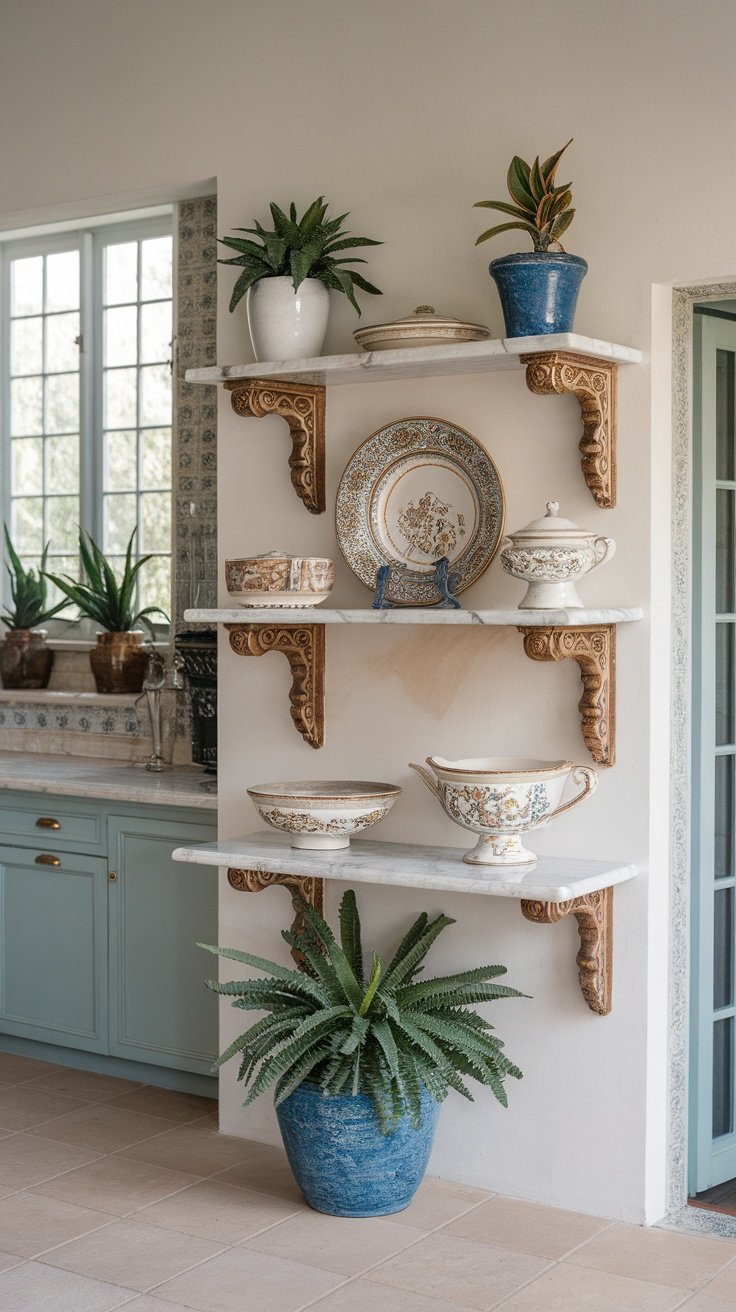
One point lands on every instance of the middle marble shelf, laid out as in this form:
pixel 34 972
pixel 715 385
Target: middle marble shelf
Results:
pixel 524 619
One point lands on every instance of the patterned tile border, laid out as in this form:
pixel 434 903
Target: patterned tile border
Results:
pixel 73 718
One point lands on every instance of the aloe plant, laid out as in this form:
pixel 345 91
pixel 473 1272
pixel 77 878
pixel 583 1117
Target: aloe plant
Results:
pixel 380 1032
pixel 540 208
pixel 102 598
pixel 309 247
pixel 28 591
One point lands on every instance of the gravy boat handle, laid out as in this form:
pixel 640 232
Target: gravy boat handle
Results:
pixel 590 783
pixel 428 779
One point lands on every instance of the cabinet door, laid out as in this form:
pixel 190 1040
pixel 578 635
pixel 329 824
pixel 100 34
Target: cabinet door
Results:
pixel 160 1010
pixel 53 947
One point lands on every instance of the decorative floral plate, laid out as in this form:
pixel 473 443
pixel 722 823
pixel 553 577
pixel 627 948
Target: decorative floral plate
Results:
pixel 413 492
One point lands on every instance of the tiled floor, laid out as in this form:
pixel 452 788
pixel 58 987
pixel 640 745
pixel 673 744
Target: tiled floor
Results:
pixel 115 1195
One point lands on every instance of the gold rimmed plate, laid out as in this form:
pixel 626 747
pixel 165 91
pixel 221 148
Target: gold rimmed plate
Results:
pixel 415 491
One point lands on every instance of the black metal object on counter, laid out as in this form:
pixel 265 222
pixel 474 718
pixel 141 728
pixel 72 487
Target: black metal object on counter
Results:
pixel 198 647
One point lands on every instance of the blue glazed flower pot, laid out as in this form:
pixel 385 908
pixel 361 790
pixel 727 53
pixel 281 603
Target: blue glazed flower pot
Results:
pixel 538 292
pixel 342 1163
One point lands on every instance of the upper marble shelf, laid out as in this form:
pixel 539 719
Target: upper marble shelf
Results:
pixel 411 865
pixel 528 619
pixel 418 361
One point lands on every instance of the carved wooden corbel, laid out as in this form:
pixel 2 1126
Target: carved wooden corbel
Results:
pixel 302 405
pixel 304 648
pixel 305 886
pixel 594 914
pixel 593 646
pixel 593 382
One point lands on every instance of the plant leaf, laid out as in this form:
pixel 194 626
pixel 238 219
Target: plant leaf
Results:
pixel 519 185
pixel 504 227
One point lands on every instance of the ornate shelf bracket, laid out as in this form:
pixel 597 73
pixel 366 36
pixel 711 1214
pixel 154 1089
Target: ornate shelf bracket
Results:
pixel 310 889
pixel 304 648
pixel 593 382
pixel 593 646
pixel 594 914
pixel 302 405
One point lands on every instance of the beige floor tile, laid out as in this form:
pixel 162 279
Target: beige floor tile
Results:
pixel 87 1085
pixel 16 1070
pixel 197 1152
pixel 22 1106
pixel 218 1211
pixel 30 1223
pixel 136 1256
pixel 364 1296
pixel 34 1287
pixel 665 1256
pixel 439 1201
pixel 147 1303
pixel 173 1106
pixel 571 1289
pixel 26 1160
pixel 526 1227
pixel 458 1270
pixel 240 1280
pixel 267 1171
pixel 115 1185
pixel 9 1259
pixel 724 1285
pixel 102 1127
pixel 335 1243
pixel 704 1303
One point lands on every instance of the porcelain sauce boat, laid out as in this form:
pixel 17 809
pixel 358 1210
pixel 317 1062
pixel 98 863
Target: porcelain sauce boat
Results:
pixel 501 798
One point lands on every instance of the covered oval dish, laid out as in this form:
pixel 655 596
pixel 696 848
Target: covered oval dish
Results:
pixel 550 555
pixel 422 328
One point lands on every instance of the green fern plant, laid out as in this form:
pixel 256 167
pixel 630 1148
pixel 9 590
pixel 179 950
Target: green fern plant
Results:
pixel 104 599
pixel 539 207
pixel 309 247
pixel 28 591
pixel 379 1032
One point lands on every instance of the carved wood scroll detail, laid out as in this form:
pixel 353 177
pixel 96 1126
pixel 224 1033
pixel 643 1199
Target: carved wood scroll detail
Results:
pixel 593 382
pixel 594 914
pixel 304 648
pixel 306 886
pixel 593 646
pixel 302 405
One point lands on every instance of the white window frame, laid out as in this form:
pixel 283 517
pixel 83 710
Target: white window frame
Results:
pixel 90 239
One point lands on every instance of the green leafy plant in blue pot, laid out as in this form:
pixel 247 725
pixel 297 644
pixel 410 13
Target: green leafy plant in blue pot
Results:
pixel 538 290
pixel 360 1060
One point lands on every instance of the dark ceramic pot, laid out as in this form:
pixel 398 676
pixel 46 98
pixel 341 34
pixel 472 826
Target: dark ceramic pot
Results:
pixel 119 662
pixel 538 291
pixel 342 1163
pixel 25 660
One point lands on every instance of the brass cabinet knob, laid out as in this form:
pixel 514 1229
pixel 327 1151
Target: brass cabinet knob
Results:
pixel 112 876
pixel 46 859
pixel 46 822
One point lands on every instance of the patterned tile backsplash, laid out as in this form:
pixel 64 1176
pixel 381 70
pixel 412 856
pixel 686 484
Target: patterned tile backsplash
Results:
pixel 70 717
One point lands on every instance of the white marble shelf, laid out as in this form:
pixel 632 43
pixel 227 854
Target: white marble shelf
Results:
pixel 409 865
pixel 571 618
pixel 417 361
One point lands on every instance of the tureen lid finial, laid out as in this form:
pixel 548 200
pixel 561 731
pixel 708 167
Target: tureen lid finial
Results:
pixel 553 508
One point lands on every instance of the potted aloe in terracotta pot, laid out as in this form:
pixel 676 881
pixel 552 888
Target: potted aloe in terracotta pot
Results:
pixel 25 659
pixel 360 1058
pixel 119 659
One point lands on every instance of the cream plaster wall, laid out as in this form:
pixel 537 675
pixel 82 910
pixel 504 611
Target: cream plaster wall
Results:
pixel 406 111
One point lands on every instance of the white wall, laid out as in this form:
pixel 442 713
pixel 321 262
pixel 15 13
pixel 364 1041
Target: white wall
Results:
pixel 405 112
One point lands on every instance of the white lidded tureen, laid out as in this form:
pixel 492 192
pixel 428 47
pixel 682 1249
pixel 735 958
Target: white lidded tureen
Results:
pixel 550 555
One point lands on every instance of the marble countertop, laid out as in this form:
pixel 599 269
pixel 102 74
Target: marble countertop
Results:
pixel 412 865
pixel 86 776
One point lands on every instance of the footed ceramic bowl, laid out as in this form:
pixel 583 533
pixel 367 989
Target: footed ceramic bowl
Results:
pixel 323 813
pixel 277 579
pixel 501 798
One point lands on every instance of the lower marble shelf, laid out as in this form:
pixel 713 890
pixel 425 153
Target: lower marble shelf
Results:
pixel 554 888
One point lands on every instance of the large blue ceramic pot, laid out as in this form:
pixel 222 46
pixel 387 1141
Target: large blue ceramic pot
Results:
pixel 538 291
pixel 342 1163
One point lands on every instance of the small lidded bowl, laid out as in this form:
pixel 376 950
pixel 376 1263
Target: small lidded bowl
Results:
pixel 550 555
pixel 322 814
pixel 278 579
pixel 422 328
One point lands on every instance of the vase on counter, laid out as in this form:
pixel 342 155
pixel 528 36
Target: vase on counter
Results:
pixel 119 662
pixel 25 659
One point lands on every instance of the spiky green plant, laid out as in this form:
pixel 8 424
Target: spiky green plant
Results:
pixel 540 208
pixel 28 591
pixel 104 599
pixel 300 248
pixel 378 1032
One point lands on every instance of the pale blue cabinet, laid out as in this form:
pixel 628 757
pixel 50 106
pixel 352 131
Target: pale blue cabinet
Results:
pixel 98 930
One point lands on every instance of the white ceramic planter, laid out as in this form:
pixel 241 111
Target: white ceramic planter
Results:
pixel 284 324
